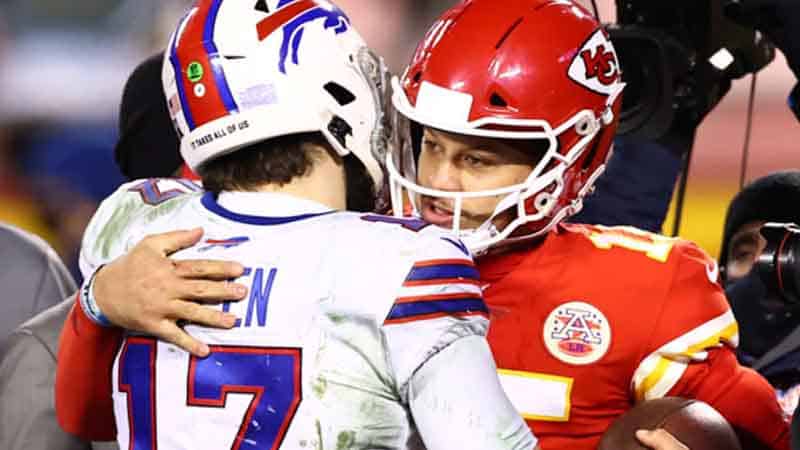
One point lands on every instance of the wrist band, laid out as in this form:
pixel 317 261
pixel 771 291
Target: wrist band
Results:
pixel 89 304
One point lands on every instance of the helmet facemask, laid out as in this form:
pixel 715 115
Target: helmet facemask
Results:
pixel 533 201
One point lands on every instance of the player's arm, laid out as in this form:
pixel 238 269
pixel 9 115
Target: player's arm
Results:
pixel 698 360
pixel 82 393
pixel 457 401
pixel 434 335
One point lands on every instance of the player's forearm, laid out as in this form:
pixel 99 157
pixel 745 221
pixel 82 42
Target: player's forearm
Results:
pixel 743 397
pixel 483 419
pixel 83 380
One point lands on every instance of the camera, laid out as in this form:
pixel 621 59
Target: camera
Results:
pixel 778 265
pixel 678 59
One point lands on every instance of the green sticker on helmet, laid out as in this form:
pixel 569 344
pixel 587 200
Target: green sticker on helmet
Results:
pixel 195 72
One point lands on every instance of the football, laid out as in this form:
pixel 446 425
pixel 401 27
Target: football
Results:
pixel 696 424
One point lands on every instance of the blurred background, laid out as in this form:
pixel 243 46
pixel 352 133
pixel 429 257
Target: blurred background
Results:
pixel 63 66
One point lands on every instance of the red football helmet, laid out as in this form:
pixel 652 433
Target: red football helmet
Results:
pixel 513 69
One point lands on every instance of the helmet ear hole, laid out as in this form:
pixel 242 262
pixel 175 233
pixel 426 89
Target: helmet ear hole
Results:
pixel 340 93
pixel 498 101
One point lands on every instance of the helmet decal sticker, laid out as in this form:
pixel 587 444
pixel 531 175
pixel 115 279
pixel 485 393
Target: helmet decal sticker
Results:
pixel 596 66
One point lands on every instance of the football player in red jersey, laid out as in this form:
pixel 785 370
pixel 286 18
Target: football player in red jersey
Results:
pixel 509 109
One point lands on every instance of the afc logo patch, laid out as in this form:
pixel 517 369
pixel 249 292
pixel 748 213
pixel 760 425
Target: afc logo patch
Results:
pixel 596 66
pixel 577 333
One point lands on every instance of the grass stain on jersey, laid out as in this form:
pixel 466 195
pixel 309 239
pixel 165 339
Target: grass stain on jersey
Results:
pixel 345 440
pixel 113 230
pixel 319 386
pixel 129 210
pixel 337 319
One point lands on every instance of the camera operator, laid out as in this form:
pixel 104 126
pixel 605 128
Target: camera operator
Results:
pixel 761 298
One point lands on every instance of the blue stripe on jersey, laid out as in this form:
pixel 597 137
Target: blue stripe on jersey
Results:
pixel 450 306
pixel 443 271
pixel 213 58
pixel 209 200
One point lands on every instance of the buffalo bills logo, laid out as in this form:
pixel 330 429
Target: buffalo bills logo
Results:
pixel 596 66
pixel 223 243
pixel 293 16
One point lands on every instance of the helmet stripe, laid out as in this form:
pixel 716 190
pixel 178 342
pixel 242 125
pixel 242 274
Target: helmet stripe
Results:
pixel 213 56
pixel 197 76
pixel 282 16
pixel 176 66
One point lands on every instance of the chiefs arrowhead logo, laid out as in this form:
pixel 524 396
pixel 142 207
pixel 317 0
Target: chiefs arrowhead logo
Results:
pixel 596 66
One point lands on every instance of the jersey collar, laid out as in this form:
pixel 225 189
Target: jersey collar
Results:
pixel 259 208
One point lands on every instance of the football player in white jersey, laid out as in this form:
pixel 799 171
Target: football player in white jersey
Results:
pixel 360 331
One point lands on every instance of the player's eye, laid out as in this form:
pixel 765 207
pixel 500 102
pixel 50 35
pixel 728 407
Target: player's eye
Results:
pixel 743 254
pixel 429 145
pixel 474 161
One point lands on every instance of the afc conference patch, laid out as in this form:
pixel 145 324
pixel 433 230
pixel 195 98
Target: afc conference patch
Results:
pixel 577 333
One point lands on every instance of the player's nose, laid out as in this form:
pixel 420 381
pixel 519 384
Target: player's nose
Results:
pixel 444 176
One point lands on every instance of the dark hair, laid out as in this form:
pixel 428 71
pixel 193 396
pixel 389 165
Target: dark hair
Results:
pixel 148 145
pixel 279 161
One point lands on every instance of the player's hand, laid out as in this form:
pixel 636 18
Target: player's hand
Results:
pixel 659 440
pixel 147 291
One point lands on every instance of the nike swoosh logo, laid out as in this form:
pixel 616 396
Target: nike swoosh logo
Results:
pixel 712 271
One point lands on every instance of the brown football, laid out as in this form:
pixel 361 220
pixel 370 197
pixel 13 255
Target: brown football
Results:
pixel 696 424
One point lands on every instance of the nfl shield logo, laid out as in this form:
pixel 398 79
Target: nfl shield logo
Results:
pixel 577 333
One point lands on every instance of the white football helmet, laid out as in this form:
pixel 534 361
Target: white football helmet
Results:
pixel 239 72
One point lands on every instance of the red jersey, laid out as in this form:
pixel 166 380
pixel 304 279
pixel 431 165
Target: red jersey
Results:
pixel 595 319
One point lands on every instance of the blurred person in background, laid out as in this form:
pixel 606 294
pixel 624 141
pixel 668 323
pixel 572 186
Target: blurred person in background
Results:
pixel 767 320
pixel 17 200
pixel 32 279
pixel 70 169
pixel 147 147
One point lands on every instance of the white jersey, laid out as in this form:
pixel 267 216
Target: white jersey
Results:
pixel 359 332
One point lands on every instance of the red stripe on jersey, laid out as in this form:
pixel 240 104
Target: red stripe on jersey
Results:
pixel 208 106
pixel 444 262
pixel 434 316
pixel 439 297
pixel 282 16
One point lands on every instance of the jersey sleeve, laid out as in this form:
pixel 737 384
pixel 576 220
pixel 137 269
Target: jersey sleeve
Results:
pixel 82 394
pixel 118 222
pixel 439 302
pixel 692 354
pixel 694 319
pixel 482 419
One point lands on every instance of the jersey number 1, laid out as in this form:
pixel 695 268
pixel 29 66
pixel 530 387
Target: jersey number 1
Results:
pixel 652 245
pixel 271 375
